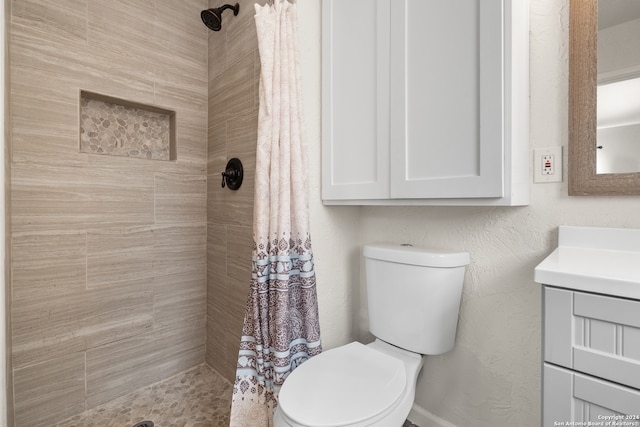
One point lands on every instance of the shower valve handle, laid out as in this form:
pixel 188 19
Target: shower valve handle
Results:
pixel 230 174
pixel 233 174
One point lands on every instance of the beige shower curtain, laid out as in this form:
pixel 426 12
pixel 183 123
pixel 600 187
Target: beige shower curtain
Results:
pixel 281 328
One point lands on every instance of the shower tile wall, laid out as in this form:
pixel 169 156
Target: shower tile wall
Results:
pixel 108 253
pixel 234 67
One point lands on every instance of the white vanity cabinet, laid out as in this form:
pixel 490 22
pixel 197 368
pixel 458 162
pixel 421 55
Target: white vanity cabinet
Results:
pixel 591 357
pixel 425 102
pixel 591 330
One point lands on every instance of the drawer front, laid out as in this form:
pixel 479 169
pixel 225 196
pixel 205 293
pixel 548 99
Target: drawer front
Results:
pixel 594 334
pixel 570 396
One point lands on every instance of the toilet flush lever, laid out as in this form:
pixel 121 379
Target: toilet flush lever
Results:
pixel 233 174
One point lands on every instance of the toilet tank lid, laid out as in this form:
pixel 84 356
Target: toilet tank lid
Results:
pixel 415 255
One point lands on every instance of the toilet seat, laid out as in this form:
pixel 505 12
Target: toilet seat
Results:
pixel 350 385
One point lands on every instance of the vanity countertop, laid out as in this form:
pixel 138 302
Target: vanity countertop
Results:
pixel 600 260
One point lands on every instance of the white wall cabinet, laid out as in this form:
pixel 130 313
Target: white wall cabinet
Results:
pixel 425 102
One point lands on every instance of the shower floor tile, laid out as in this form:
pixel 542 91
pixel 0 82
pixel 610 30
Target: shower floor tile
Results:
pixel 199 397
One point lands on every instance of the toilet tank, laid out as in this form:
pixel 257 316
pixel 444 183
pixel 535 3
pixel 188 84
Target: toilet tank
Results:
pixel 414 295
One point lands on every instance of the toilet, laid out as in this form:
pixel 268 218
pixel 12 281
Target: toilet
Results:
pixel 413 300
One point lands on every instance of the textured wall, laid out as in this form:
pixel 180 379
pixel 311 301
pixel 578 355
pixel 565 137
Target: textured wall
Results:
pixel 336 230
pixel 108 253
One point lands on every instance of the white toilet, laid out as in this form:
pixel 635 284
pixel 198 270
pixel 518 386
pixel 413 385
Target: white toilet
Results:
pixel 413 300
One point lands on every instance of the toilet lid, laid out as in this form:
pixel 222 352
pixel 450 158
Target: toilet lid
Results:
pixel 342 386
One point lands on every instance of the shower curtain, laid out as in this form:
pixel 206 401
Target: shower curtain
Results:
pixel 281 327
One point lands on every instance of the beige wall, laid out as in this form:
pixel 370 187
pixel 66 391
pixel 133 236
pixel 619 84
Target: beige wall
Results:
pixel 6 389
pixel 234 67
pixel 108 253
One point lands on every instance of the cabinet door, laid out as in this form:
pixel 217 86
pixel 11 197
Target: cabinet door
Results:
pixel 595 334
pixel 447 98
pixel 570 396
pixel 355 104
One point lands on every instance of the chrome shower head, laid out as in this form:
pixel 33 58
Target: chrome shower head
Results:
pixel 212 18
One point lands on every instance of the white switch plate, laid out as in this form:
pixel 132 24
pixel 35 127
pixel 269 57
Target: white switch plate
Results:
pixel 547 164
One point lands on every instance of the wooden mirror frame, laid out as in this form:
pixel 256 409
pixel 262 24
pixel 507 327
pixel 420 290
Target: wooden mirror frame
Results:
pixel 583 79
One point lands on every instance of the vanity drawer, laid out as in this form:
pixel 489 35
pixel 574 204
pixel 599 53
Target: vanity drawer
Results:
pixel 594 334
pixel 570 396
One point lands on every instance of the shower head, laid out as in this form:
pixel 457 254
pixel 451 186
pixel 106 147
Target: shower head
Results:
pixel 212 18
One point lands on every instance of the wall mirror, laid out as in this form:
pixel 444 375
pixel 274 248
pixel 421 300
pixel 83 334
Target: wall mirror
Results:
pixel 604 97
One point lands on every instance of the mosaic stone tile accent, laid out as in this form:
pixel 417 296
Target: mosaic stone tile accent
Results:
pixel 115 128
pixel 199 397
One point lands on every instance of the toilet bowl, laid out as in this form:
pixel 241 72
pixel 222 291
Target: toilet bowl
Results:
pixel 364 385
pixel 413 300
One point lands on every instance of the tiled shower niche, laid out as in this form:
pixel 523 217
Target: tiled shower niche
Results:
pixel 115 127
